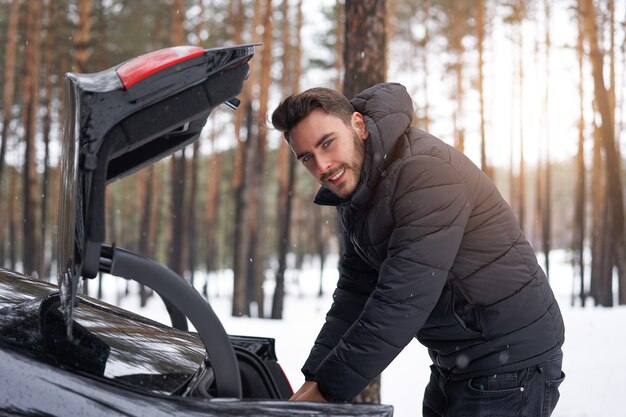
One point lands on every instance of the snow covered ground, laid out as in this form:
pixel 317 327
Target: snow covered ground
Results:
pixel 594 363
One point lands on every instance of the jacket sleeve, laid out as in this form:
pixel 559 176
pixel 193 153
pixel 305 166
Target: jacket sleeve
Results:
pixel 430 205
pixel 356 283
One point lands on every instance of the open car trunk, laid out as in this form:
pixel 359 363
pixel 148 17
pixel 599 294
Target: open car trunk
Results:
pixel 124 119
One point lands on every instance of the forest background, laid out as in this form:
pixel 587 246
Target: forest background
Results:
pixel 532 91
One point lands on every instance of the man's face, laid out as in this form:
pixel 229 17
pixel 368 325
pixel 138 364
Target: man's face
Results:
pixel 332 151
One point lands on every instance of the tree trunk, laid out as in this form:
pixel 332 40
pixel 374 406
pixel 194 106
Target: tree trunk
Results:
pixel 371 394
pixel 578 244
pixel 320 243
pixel 212 205
pixel 82 36
pixel 176 248
pixel 612 101
pixel 177 213
pixel 256 165
pixel 13 235
pixel 242 174
pixel 30 107
pixel 614 194
pixel 146 196
pixel 158 212
pixel 365 59
pixel 620 256
pixel 340 27
pixel 8 91
pixel 243 286
pixel 285 199
pixel 457 51
pixel 7 105
pixel 600 279
pixel 521 184
pixel 546 229
pixel 257 230
pixel 212 211
pixel 285 172
pixel 425 63
pixel 537 225
pixel 101 55
pixel 515 18
pixel 191 221
pixel 49 65
pixel 480 35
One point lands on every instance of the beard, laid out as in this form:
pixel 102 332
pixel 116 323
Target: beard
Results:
pixel 358 158
pixel 354 166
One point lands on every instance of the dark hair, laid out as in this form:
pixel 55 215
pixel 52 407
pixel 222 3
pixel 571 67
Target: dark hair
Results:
pixel 298 106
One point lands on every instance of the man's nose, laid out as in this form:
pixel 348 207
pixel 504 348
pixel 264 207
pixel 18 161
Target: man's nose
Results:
pixel 323 164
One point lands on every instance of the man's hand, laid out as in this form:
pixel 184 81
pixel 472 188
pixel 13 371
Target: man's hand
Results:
pixel 308 392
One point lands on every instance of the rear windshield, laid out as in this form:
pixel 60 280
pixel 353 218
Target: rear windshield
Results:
pixel 108 342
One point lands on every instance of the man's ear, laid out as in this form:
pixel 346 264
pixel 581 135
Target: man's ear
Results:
pixel 358 124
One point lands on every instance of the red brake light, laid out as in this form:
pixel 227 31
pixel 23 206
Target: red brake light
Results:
pixel 135 70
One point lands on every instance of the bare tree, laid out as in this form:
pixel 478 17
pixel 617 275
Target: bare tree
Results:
pixel 518 13
pixel 578 244
pixel 611 17
pixel 257 220
pixel 365 56
pixel 480 40
pixel 425 62
pixel 191 221
pixel 49 65
pixel 365 61
pixel 546 196
pixel 212 205
pixel 600 256
pixel 177 244
pixel 339 29
pixel 10 64
pixel 177 213
pixel 456 29
pixel 614 192
pixel 146 196
pixel 192 197
pixel 242 291
pixel 82 36
pixel 158 215
pixel 30 101
pixel 515 17
pixel 286 163
pixel 13 235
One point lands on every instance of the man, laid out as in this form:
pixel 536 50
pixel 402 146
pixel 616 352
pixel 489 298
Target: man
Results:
pixel 430 250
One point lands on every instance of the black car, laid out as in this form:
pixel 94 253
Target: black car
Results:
pixel 65 354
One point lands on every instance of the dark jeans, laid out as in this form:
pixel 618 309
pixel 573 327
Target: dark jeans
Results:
pixel 529 392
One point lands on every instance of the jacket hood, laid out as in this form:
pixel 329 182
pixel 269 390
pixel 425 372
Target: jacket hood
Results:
pixel 387 110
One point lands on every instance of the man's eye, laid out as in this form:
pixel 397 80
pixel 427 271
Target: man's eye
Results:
pixel 306 158
pixel 326 144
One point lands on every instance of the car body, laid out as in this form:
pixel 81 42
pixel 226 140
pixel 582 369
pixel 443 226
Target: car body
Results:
pixel 126 364
pixel 63 353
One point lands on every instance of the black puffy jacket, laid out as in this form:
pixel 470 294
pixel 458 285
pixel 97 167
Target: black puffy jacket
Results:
pixel 430 250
